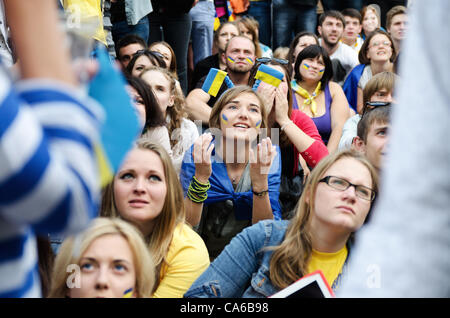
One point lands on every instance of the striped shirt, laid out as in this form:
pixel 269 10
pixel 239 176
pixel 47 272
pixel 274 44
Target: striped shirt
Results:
pixel 48 173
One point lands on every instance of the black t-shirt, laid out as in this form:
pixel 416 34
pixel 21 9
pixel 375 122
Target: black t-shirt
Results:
pixel 202 69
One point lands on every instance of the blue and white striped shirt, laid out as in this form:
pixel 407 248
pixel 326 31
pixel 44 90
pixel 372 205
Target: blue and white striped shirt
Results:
pixel 48 173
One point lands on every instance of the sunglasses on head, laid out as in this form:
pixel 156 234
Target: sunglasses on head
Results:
pixel 372 105
pixel 263 60
pixel 140 52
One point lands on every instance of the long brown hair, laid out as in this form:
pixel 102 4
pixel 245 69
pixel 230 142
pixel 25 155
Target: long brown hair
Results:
pixel 290 259
pixel 173 211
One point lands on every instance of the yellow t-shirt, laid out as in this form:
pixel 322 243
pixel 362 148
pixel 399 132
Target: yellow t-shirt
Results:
pixel 187 259
pixel 329 263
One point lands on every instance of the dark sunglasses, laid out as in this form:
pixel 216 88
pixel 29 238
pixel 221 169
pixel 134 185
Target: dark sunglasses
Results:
pixel 372 105
pixel 263 60
pixel 141 52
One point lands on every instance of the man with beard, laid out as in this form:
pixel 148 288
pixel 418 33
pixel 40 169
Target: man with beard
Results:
pixel 344 58
pixel 239 57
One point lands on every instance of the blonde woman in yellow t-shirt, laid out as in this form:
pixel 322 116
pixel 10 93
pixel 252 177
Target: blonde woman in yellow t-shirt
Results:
pixel 146 192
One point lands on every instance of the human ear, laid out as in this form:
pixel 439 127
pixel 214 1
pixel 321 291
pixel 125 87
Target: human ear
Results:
pixel 359 145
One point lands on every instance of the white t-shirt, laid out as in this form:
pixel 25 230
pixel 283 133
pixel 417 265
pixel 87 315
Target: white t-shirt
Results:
pixel 346 55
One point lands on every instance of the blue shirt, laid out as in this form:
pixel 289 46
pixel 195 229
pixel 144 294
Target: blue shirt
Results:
pixel 244 260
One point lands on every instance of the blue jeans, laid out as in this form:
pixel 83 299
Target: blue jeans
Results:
pixel 261 11
pixel 342 4
pixel 175 29
pixel 289 20
pixel 202 33
pixel 120 29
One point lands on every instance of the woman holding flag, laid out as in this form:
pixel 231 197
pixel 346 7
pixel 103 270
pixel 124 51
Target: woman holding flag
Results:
pixel 229 181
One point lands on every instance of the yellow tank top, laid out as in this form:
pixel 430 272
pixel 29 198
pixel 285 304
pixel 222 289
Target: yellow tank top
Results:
pixel 329 263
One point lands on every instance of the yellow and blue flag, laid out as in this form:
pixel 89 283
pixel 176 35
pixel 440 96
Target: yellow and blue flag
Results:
pixel 268 75
pixel 121 127
pixel 214 81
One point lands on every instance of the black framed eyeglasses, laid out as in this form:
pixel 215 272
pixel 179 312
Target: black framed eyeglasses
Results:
pixel 372 105
pixel 264 60
pixel 340 184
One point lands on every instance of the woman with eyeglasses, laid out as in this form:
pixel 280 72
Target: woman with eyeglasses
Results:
pixel 377 54
pixel 143 59
pixel 298 134
pixel 271 255
pixel 318 96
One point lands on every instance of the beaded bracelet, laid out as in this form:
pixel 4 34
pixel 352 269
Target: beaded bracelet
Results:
pixel 198 192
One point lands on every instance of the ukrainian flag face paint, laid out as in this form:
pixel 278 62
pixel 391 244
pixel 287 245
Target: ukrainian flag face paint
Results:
pixel 306 66
pixel 231 60
pixel 224 119
pixel 249 60
pixel 258 124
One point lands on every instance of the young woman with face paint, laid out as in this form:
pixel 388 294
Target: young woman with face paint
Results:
pixel 230 182
pixel 112 261
pixel 317 96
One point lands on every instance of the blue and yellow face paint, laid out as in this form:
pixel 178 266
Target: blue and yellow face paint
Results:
pixel 128 293
pixel 258 123
pixel 249 60
pixel 306 66
pixel 224 119
pixel 321 71
pixel 230 59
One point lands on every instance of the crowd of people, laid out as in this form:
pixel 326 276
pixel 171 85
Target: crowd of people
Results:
pixel 261 152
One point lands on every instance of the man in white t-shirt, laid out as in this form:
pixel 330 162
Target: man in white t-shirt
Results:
pixel 331 28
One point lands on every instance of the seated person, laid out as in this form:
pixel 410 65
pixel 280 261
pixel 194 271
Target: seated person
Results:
pixel 380 88
pixel 146 192
pixel 271 255
pixel 127 47
pixel 111 260
pixel 238 184
pixel 239 57
pixel 373 135
pixel 222 35
pixel 317 96
pixel 377 55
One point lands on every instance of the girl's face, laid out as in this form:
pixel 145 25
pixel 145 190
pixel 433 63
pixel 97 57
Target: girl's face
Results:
pixel 342 211
pixel 241 118
pixel 226 33
pixel 138 103
pixel 107 269
pixel 140 189
pixel 379 49
pixel 303 42
pixel 312 68
pixel 245 32
pixel 165 52
pixel 370 22
pixel 142 62
pixel 161 87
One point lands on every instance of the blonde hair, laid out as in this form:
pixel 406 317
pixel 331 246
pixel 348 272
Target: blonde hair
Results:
pixel 177 111
pixel 74 247
pixel 172 213
pixel 290 259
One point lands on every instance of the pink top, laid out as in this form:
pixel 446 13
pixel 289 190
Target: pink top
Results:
pixel 317 150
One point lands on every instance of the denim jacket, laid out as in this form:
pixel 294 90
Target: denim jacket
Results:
pixel 242 269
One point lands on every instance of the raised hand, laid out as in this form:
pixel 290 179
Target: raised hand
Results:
pixel 260 163
pixel 202 157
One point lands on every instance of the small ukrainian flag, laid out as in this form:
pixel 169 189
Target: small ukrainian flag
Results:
pixel 214 81
pixel 269 75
